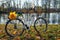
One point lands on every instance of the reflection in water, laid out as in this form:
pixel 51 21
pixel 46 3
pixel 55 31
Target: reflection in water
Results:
pixel 53 18
pixel 3 18
pixel 30 18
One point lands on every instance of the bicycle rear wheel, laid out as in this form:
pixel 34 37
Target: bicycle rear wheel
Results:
pixel 40 24
pixel 14 27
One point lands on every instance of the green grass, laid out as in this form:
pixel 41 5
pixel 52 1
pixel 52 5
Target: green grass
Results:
pixel 53 30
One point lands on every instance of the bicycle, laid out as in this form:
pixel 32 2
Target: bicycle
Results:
pixel 21 26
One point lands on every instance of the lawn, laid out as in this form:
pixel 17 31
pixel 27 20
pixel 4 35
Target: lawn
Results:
pixel 52 33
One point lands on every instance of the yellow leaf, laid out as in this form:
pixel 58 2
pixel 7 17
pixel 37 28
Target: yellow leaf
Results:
pixel 14 32
pixel 12 15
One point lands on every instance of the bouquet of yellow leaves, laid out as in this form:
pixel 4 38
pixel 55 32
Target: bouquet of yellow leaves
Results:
pixel 12 15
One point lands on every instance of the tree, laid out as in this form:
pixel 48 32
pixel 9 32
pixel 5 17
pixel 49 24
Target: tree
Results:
pixel 27 5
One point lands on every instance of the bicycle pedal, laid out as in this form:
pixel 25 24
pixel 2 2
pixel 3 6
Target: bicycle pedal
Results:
pixel 28 28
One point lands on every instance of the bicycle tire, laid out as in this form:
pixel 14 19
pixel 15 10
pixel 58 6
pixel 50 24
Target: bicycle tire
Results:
pixel 11 34
pixel 41 38
pixel 43 20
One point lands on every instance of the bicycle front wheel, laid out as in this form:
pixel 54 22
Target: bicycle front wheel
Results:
pixel 40 24
pixel 14 27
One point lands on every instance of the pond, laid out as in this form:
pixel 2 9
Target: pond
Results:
pixel 52 18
